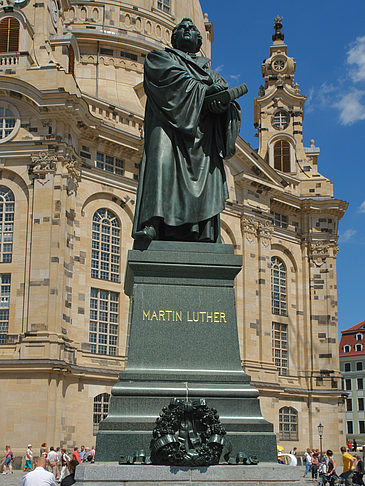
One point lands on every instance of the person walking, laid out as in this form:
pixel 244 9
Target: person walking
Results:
pixel 52 459
pixel 70 479
pixel 8 460
pixel 359 471
pixel 64 461
pixel 331 468
pixel 308 462
pixel 28 466
pixel 39 476
pixel 315 464
pixel 76 455
pixel 348 466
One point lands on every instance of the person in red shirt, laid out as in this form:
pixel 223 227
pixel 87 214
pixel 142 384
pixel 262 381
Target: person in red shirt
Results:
pixel 76 455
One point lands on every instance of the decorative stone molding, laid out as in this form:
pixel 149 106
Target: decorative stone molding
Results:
pixel 252 228
pixel 265 231
pixel 249 228
pixel 112 61
pixel 319 251
pixel 43 163
pixel 73 173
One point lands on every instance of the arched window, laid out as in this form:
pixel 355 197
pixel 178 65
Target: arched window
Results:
pixel 103 326
pixel 358 336
pixel 105 256
pixel 346 348
pixel 282 156
pixel 278 287
pixel 6 224
pixel 101 410
pixel 71 60
pixel 288 423
pixel 358 347
pixel 9 35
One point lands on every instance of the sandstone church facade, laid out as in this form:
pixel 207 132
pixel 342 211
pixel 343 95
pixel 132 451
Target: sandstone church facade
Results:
pixel 71 138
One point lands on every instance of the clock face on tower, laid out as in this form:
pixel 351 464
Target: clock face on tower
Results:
pixel 54 12
pixel 278 64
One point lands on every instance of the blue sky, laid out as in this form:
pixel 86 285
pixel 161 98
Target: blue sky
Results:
pixel 327 40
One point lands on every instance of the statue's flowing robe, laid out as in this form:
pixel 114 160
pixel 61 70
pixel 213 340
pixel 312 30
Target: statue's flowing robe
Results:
pixel 182 179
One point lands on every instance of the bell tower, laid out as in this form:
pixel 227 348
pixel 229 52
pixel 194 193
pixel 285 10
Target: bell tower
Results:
pixel 279 108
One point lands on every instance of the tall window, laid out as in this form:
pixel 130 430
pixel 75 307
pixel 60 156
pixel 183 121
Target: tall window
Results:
pixel 361 427
pixel 350 427
pixel 348 384
pixel 4 305
pixel 349 404
pixel 360 404
pixel 9 35
pixel 164 5
pixel 101 410
pixel 278 286
pixel 360 384
pixel 71 60
pixel 280 347
pixel 103 327
pixel 347 366
pixel 359 365
pixel 288 423
pixel 282 155
pixel 6 224
pixel 105 256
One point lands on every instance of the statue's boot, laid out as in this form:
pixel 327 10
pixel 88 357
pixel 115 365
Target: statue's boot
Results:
pixel 147 233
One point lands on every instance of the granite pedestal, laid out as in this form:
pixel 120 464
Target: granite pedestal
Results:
pixel 114 475
pixel 183 342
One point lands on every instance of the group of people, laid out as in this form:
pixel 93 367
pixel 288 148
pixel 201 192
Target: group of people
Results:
pixel 53 466
pixel 323 467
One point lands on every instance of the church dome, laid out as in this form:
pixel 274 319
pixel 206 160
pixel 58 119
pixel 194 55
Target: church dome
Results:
pixel 114 38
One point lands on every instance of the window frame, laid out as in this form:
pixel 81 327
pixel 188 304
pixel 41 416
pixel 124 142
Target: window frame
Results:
pixel 106 245
pixel 104 322
pixel 279 288
pixel 15 128
pixel 293 433
pixel 99 416
pixel 280 352
pixel 5 291
pixel 282 156
pixel 9 42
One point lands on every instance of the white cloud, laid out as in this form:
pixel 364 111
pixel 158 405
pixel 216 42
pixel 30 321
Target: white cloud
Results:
pixel 351 107
pixel 356 59
pixel 236 77
pixel 348 235
pixel 362 207
pixel 219 68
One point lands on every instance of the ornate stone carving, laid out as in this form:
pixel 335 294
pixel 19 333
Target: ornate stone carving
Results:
pixel 43 163
pixel 319 251
pixel 252 228
pixel 265 230
pixel 249 228
pixel 74 173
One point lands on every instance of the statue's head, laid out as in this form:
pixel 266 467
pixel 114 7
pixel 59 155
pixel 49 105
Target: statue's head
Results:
pixel 186 36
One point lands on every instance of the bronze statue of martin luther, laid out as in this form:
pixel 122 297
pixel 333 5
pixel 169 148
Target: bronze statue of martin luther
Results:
pixel 189 128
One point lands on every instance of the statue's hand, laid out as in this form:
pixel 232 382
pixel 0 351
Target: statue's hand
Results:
pixel 215 88
pixel 217 107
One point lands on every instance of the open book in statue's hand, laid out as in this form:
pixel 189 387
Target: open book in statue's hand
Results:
pixel 227 95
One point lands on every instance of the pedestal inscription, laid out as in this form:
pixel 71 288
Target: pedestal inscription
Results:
pixel 183 342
